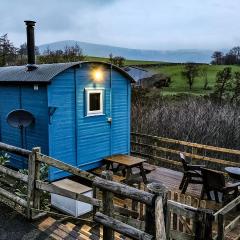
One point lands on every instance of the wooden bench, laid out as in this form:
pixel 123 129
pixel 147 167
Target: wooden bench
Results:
pixel 128 163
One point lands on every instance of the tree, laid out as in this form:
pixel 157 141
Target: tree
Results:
pixel 203 72
pixel 235 51
pixel 8 53
pixel 217 57
pixel 117 60
pixel 223 84
pixel 70 54
pixel 236 90
pixel 230 59
pixel 190 72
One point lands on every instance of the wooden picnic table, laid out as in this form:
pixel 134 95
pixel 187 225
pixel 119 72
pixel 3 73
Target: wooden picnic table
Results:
pixel 128 163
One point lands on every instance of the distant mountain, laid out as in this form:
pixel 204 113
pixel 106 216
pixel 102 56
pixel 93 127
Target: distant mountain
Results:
pixel 98 50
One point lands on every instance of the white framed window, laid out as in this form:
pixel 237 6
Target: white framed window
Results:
pixel 94 101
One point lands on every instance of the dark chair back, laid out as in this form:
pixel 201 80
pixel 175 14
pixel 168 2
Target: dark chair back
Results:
pixel 213 180
pixel 184 161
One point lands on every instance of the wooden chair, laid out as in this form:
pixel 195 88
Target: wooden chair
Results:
pixel 191 174
pixel 214 181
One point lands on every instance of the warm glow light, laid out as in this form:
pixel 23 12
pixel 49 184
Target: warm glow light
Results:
pixel 97 75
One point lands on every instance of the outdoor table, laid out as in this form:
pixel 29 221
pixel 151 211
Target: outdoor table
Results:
pixel 233 172
pixel 127 162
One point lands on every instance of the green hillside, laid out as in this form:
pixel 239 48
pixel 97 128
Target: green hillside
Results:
pixel 179 84
pixel 127 62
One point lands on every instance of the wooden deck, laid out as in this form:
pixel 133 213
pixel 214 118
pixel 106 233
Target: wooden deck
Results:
pixel 65 229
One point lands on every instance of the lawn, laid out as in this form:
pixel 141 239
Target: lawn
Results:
pixel 127 62
pixel 179 84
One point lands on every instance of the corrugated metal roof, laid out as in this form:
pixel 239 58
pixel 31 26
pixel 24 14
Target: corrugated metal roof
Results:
pixel 44 72
pixel 137 73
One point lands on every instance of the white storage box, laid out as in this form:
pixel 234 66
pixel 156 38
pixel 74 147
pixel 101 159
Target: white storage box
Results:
pixel 68 205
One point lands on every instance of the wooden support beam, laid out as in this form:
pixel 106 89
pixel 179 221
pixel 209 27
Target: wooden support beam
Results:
pixel 191 155
pixel 107 201
pixel 190 144
pixel 124 190
pixel 228 207
pixel 232 224
pixel 14 174
pixel 15 150
pixel 65 167
pixel 155 214
pixel 13 198
pixel 221 227
pixel 122 228
pixel 31 181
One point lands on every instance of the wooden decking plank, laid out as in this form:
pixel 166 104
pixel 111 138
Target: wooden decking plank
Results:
pixel 51 227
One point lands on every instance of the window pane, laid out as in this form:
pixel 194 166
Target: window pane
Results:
pixel 94 99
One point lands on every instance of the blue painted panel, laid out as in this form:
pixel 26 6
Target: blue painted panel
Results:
pixel 121 90
pixel 15 97
pixel 62 134
pixel 10 100
pixel 35 101
pixel 93 132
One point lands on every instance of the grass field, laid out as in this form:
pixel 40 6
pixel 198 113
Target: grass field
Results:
pixel 179 84
pixel 127 62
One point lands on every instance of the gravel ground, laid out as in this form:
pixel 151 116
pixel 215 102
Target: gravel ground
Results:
pixel 13 226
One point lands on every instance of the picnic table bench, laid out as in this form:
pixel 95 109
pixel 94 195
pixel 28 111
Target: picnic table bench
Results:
pixel 126 163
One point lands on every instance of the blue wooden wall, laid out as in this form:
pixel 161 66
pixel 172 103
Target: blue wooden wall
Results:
pixel 62 140
pixel 16 97
pixel 69 135
pixel 83 140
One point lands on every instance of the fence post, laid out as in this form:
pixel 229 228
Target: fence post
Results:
pixel 199 225
pixel 208 224
pixel 156 214
pixel 221 226
pixel 107 199
pixel 31 181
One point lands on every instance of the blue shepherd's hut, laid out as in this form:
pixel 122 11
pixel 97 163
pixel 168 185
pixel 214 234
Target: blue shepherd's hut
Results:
pixel 76 112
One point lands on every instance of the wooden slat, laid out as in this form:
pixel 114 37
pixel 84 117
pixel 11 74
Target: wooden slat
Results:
pixel 66 167
pixel 174 162
pixel 14 174
pixel 190 144
pixel 122 228
pixel 13 197
pixel 228 207
pixel 181 209
pixel 125 160
pixel 232 224
pixel 15 150
pixel 124 190
pixel 195 156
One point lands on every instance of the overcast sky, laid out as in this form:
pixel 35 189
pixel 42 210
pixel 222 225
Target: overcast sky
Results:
pixel 146 24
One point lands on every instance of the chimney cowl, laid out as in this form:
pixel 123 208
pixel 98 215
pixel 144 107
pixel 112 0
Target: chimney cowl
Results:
pixel 31 65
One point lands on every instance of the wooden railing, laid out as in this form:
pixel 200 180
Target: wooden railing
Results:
pixel 220 216
pixel 158 208
pixel 103 209
pixel 165 151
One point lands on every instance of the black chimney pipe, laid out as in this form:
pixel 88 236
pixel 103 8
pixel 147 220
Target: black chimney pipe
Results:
pixel 30 45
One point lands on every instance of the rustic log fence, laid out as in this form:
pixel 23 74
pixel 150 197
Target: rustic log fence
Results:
pixel 220 215
pixel 150 209
pixel 35 186
pixel 165 152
